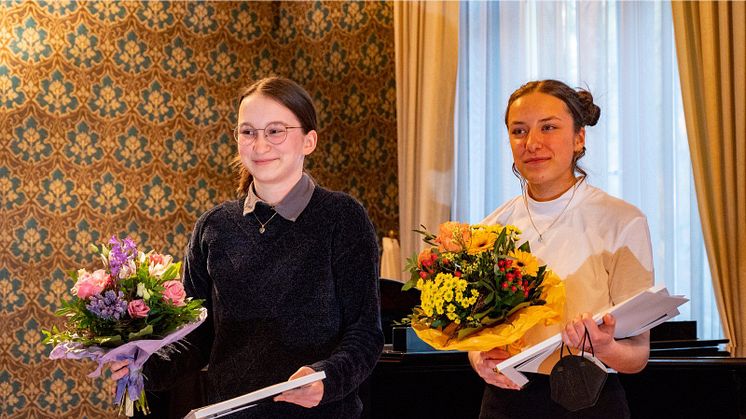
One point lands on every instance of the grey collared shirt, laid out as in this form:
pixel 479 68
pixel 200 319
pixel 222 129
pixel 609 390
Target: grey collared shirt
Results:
pixel 291 206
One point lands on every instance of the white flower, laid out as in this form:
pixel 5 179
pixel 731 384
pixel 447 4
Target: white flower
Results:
pixel 127 270
pixel 142 291
pixel 159 264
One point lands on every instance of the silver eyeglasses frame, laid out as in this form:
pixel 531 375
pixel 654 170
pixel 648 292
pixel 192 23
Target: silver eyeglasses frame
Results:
pixel 268 138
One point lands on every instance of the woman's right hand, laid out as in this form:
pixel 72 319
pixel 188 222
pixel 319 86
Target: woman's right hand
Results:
pixel 119 369
pixel 484 364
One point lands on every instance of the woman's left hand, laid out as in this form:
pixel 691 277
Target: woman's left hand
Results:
pixel 307 396
pixel 602 336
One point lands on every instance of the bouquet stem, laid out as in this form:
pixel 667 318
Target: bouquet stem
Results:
pixel 128 406
pixel 143 403
pixel 131 394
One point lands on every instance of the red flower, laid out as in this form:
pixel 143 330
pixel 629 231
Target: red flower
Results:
pixel 425 258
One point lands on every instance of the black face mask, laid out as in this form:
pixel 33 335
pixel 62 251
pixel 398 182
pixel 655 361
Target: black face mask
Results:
pixel 576 382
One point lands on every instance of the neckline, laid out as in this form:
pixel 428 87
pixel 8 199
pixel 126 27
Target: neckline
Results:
pixel 551 207
pixel 553 218
pixel 291 206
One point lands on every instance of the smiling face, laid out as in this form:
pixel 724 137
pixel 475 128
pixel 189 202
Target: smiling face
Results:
pixel 544 142
pixel 276 167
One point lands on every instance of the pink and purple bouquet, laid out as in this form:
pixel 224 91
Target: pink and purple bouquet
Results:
pixel 129 309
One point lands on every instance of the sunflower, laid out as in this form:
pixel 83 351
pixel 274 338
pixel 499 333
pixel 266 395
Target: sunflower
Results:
pixel 481 240
pixel 527 262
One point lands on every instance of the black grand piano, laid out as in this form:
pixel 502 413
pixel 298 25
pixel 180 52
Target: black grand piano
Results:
pixel 685 377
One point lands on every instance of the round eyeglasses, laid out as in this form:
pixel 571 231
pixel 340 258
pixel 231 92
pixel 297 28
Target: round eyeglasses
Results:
pixel 274 133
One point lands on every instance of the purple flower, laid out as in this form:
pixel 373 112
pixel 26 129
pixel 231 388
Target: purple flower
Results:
pixel 121 254
pixel 109 306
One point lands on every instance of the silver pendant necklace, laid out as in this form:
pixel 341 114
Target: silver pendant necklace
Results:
pixel 261 224
pixel 530 218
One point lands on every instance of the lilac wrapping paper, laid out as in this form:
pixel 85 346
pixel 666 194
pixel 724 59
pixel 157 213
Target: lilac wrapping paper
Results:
pixel 137 352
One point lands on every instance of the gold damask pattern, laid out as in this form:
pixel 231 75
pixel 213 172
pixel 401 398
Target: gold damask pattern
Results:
pixel 115 119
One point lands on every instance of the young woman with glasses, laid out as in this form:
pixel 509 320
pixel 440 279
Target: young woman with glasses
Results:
pixel 288 272
pixel 598 244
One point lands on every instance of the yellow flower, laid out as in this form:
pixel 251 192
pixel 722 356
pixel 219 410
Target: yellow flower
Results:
pixel 448 295
pixel 509 332
pixel 496 228
pixel 527 262
pixel 481 240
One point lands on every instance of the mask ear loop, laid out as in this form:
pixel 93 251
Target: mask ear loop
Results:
pixel 586 335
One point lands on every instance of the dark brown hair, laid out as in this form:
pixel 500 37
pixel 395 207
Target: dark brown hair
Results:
pixel 291 95
pixel 578 102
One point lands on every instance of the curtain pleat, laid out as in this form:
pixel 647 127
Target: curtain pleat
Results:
pixel 426 43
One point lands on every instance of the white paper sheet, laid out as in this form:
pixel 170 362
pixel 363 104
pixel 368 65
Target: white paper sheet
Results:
pixel 642 312
pixel 247 400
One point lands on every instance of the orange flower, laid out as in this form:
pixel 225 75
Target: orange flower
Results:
pixel 453 236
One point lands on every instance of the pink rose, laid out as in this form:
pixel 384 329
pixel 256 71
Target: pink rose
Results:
pixel 138 309
pixel 174 292
pixel 90 284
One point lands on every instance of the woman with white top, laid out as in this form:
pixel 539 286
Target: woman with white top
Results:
pixel 598 244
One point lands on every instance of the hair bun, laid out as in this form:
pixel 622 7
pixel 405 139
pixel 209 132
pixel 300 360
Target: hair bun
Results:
pixel 591 111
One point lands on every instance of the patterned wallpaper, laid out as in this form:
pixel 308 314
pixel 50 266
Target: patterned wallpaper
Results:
pixel 115 118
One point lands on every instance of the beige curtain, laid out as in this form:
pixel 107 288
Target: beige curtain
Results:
pixel 711 49
pixel 426 42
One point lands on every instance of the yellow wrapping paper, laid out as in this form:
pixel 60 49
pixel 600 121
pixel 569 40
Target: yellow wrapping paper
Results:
pixel 508 333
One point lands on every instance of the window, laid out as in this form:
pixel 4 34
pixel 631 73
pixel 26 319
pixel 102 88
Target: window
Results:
pixel 624 53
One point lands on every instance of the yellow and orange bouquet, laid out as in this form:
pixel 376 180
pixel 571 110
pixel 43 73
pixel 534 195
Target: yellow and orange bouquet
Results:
pixel 479 290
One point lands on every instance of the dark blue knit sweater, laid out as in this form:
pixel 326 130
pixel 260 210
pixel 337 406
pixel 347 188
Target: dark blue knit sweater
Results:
pixel 302 293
